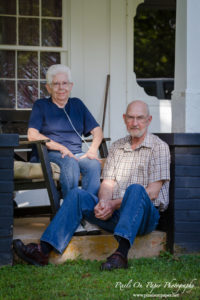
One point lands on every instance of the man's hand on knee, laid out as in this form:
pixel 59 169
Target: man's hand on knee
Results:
pixel 91 155
pixel 65 152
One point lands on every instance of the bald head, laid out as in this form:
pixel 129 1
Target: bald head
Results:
pixel 138 105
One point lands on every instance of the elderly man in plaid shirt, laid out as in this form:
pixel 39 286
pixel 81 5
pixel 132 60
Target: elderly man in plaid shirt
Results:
pixel 134 189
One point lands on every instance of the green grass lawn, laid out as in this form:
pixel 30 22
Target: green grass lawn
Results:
pixel 164 277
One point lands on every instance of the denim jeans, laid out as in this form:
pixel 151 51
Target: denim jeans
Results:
pixel 71 169
pixel 136 216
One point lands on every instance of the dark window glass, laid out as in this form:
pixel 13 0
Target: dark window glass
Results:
pixel 7 64
pixel 43 90
pixel 27 64
pixel 7 94
pixel 168 88
pixel 8 30
pixel 27 93
pixel 30 8
pixel 52 8
pixel 52 33
pixel 28 31
pixel 46 60
pixel 8 7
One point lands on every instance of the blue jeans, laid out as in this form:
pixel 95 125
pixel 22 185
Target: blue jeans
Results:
pixel 136 216
pixel 71 169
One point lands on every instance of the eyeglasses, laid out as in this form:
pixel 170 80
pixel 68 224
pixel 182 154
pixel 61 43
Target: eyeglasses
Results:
pixel 139 119
pixel 64 85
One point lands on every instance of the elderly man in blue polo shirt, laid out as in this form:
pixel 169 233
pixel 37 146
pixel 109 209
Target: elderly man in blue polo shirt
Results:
pixel 134 189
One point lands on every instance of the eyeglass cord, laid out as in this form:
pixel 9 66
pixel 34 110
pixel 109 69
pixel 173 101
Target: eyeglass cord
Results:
pixel 82 138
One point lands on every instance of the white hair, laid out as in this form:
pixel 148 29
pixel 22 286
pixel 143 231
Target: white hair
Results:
pixel 55 69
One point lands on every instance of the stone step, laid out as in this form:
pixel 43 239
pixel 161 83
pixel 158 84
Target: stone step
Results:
pixel 93 247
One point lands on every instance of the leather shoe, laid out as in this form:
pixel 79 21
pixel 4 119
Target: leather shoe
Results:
pixel 31 253
pixel 115 261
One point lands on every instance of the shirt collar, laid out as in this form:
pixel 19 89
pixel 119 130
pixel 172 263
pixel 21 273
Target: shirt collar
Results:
pixel 147 143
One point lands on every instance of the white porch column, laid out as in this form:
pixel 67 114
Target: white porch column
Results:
pixel 186 95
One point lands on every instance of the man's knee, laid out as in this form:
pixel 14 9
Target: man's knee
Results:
pixel 69 162
pixel 74 193
pixel 134 194
pixel 79 196
pixel 135 188
pixel 90 165
pixel 95 164
pixel 137 193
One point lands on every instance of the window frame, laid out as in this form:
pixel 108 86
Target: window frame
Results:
pixel 63 50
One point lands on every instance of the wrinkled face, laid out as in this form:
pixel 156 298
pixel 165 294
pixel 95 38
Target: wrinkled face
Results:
pixel 60 88
pixel 137 119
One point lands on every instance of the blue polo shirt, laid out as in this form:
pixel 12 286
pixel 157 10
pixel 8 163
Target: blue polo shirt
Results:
pixel 52 121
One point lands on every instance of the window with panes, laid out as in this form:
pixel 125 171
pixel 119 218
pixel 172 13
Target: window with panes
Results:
pixel 31 39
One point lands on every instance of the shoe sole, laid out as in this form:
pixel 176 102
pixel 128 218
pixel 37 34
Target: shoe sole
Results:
pixel 80 233
pixel 23 257
pixel 94 232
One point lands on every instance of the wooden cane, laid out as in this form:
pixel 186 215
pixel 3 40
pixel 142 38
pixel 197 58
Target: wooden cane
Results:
pixel 105 100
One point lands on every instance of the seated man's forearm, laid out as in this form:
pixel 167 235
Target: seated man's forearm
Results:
pixel 117 203
pixel 153 189
pixel 97 139
pixel 34 135
pixel 106 190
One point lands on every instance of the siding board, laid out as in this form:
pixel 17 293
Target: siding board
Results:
pixel 185 193
pixel 6 198
pixel 192 160
pixel 6 211
pixel 7 144
pixel 190 247
pixel 186 238
pixel 188 227
pixel 183 204
pixel 6 186
pixel 188 150
pixel 5 258
pixel 188 182
pixel 5 244
pixel 189 215
pixel 191 171
pixel 6 162
pixel 6 173
pixel 4 152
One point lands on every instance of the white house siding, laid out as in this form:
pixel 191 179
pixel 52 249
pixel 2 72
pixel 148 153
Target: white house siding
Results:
pixel 101 43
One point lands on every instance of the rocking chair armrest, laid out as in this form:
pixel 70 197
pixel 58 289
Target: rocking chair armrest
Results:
pixel 24 149
pixel 23 139
pixel 103 149
pixel 26 142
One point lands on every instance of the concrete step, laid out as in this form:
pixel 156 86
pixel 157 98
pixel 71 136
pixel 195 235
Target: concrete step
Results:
pixel 96 247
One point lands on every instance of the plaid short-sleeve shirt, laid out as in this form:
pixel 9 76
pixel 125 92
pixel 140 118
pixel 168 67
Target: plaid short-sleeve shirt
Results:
pixel 148 163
